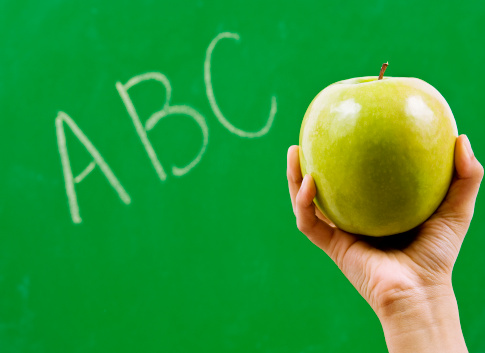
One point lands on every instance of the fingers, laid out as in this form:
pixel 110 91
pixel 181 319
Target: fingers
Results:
pixel 310 220
pixel 324 218
pixel 459 203
pixel 308 223
pixel 293 173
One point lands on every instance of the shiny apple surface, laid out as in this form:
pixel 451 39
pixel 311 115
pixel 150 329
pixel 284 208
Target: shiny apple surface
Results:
pixel 381 153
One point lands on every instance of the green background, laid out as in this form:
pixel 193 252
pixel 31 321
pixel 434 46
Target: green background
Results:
pixel 211 261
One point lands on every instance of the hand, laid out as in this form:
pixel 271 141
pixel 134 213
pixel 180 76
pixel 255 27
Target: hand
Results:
pixel 393 274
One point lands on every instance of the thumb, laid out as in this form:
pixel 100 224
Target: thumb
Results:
pixel 460 200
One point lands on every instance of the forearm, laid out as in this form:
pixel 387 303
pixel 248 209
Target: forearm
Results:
pixel 423 322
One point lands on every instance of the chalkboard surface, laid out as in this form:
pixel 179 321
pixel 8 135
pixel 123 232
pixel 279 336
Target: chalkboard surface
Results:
pixel 143 196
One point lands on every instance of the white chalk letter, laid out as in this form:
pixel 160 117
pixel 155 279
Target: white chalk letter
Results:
pixel 154 118
pixel 212 98
pixel 69 179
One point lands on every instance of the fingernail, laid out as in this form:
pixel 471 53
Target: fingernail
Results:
pixel 289 149
pixel 468 147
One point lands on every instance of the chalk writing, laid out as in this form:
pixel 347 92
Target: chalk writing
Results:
pixel 143 129
pixel 212 99
pixel 153 120
pixel 69 180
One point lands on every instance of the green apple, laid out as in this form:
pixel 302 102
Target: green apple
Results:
pixel 381 152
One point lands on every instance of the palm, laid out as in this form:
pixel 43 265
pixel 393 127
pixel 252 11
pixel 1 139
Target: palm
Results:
pixel 379 267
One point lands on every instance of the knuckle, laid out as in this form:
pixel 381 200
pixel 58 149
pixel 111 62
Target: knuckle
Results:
pixel 299 197
pixel 294 178
pixel 302 226
pixel 478 167
pixel 480 170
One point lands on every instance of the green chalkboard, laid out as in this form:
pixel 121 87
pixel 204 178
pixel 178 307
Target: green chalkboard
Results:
pixel 143 195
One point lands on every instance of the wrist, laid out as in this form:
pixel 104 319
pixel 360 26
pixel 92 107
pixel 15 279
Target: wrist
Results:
pixel 422 320
pixel 404 299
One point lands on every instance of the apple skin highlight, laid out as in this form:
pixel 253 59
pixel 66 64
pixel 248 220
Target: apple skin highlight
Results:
pixel 381 153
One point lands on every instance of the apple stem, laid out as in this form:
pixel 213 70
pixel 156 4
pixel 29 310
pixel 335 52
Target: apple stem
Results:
pixel 383 69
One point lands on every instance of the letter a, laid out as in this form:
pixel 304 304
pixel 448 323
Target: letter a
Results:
pixel 69 179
